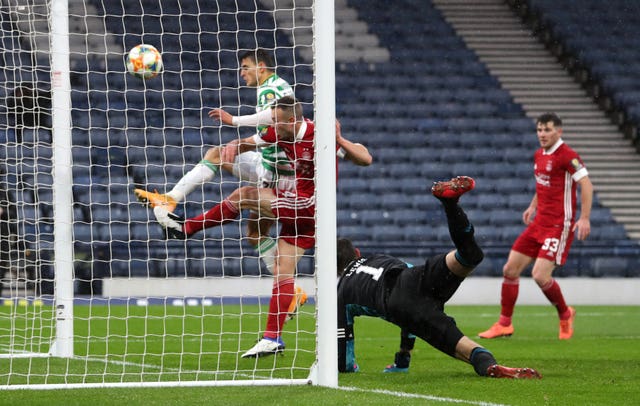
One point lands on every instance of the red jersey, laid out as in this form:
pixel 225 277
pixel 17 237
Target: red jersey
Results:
pixel 556 172
pixel 300 152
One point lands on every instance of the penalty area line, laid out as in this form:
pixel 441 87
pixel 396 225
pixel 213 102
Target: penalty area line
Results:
pixel 418 396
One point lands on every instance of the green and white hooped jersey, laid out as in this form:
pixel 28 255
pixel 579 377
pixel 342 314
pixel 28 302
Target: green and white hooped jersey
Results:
pixel 274 160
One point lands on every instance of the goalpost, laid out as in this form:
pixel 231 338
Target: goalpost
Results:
pixel 92 294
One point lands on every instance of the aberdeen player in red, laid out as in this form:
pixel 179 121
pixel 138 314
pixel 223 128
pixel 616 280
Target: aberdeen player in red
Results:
pixel 551 224
pixel 292 203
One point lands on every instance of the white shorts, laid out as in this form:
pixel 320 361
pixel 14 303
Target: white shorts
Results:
pixel 248 168
pixel 246 164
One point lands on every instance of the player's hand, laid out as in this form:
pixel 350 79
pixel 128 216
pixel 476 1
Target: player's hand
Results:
pixel 229 152
pixel 222 116
pixel 584 228
pixel 338 130
pixel 527 216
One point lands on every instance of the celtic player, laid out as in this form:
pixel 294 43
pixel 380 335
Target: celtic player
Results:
pixel 267 168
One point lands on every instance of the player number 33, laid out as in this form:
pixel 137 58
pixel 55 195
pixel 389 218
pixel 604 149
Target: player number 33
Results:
pixel 551 244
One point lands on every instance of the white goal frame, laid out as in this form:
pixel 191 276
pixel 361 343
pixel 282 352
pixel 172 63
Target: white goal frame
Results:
pixel 325 371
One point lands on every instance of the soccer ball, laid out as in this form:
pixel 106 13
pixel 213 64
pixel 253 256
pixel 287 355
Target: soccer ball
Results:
pixel 144 61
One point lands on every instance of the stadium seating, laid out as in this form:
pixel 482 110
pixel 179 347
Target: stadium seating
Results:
pixel 432 112
pixel 602 37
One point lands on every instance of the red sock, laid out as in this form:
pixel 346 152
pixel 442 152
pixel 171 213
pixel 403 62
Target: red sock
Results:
pixel 553 292
pixel 221 214
pixel 281 297
pixel 510 287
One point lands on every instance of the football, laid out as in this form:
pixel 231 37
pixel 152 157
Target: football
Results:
pixel 144 61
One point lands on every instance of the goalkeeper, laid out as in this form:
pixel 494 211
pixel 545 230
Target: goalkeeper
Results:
pixel 413 297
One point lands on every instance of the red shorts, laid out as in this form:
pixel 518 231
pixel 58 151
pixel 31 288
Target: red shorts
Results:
pixel 296 213
pixel 551 243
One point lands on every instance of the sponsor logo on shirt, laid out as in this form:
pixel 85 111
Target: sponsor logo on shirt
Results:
pixel 543 180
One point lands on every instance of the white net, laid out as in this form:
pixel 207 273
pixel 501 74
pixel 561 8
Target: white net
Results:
pixel 146 309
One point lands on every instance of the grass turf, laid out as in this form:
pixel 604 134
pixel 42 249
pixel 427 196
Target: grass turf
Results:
pixel 598 366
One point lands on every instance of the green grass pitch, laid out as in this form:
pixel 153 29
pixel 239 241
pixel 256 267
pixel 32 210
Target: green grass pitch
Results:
pixel 599 366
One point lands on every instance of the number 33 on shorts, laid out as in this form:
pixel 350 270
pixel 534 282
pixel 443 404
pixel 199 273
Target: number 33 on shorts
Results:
pixel 550 244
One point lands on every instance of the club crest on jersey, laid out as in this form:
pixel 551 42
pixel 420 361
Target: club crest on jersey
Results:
pixel 270 97
pixel 549 166
pixel 577 165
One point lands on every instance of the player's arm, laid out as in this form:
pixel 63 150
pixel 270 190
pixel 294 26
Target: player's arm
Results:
pixel 583 225
pixel 403 357
pixel 235 147
pixel 527 216
pixel 346 350
pixel 354 152
pixel 250 120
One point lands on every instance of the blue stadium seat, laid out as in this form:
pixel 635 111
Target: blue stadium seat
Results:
pixel 488 267
pixel 387 233
pixel 519 201
pixel 609 267
pixel 374 218
pixel 416 233
pixel 406 217
pixel 492 202
pixel 354 233
pixel 505 217
pixel 509 234
pixel 347 218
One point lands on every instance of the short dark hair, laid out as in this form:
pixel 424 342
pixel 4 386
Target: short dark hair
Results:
pixel 346 254
pixel 549 117
pixel 257 56
pixel 289 105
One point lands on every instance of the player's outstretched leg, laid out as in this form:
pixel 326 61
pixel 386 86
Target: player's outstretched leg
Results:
pixel 454 188
pixel 155 199
pixel 500 371
pixel 172 224
pixel 468 253
pixel 486 365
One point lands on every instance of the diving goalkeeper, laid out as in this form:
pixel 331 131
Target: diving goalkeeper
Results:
pixel 413 298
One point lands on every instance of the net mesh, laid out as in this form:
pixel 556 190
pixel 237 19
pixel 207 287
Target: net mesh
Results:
pixel 146 309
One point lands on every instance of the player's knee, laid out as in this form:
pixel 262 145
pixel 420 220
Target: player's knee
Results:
pixel 246 193
pixel 213 155
pixel 253 236
pixel 509 271
pixel 470 256
pixel 475 255
pixel 542 279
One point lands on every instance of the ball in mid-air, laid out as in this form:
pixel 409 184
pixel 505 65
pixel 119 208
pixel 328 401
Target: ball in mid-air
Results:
pixel 144 61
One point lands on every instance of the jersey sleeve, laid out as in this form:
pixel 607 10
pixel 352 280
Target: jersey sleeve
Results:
pixel 576 167
pixel 265 137
pixel 346 349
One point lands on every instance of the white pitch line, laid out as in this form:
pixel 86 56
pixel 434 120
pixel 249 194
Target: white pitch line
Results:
pixel 166 369
pixel 419 396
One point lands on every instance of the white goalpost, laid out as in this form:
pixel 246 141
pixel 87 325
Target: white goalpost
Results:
pixel 92 292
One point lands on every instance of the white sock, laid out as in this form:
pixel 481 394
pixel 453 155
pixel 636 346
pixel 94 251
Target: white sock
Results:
pixel 203 172
pixel 267 251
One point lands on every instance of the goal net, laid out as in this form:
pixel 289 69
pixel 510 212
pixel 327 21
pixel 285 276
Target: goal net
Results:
pixel 93 292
